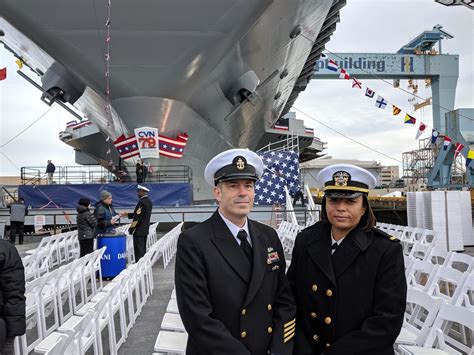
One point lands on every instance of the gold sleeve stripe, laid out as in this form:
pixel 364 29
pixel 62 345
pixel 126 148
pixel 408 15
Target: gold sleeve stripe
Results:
pixel 289 329
pixel 289 337
pixel 291 322
pixel 288 333
pixel 133 224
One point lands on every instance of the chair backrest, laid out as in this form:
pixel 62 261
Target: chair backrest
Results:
pixel 438 256
pixel 420 313
pixel 450 328
pixel 464 295
pixel 421 274
pixel 461 262
pixel 445 283
pixel 420 251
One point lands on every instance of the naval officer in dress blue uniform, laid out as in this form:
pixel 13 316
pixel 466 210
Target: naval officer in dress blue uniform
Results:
pixel 232 293
pixel 347 277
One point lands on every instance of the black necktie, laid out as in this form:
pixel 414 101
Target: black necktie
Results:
pixel 334 247
pixel 244 244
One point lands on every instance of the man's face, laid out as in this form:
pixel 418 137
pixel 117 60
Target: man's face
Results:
pixel 235 197
pixel 345 213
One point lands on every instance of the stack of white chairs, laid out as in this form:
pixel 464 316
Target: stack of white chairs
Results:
pixel 166 247
pixel 172 338
pixel 439 318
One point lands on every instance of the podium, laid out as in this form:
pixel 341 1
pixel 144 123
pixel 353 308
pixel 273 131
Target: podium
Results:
pixel 114 258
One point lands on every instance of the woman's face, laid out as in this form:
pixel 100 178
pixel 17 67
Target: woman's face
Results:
pixel 345 213
pixel 108 200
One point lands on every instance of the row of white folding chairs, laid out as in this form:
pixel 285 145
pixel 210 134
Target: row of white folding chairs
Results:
pixel 56 296
pixel 409 235
pixel 429 325
pixel 172 338
pixel 459 261
pixel 166 246
pixel 451 285
pixel 50 253
pixel 116 307
pixel 287 232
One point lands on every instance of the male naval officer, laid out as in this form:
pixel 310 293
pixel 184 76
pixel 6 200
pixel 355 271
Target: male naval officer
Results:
pixel 347 277
pixel 231 289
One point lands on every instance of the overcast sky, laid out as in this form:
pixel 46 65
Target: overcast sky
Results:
pixel 366 26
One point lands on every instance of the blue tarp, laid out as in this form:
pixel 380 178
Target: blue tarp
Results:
pixel 123 195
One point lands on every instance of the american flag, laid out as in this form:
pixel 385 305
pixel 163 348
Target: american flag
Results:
pixel 173 148
pixel 127 147
pixel 281 168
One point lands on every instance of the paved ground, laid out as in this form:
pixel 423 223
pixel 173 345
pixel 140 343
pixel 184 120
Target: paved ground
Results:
pixel 141 338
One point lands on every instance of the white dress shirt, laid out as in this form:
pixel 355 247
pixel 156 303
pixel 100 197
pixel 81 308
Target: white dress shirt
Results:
pixel 234 229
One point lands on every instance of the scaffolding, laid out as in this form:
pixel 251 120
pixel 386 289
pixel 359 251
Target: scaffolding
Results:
pixel 417 164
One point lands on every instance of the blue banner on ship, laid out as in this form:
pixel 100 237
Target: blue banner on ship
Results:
pixel 123 195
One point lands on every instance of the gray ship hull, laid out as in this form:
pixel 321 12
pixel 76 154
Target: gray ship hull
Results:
pixel 221 71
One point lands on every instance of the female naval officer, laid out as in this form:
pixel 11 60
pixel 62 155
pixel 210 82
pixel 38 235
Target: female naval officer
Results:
pixel 347 277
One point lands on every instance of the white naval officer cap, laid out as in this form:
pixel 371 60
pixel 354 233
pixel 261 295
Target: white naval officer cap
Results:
pixel 345 181
pixel 140 187
pixel 233 164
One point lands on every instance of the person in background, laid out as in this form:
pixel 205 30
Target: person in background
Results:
pixel 105 214
pixel 12 297
pixel 86 225
pixel 50 169
pixel 18 212
pixel 139 172
pixel 347 277
pixel 141 222
pixel 231 289
pixel 298 196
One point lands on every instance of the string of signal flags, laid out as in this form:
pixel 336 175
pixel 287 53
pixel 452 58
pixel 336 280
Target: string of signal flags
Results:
pixel 382 103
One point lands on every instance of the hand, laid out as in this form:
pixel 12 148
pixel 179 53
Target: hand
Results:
pixel 123 214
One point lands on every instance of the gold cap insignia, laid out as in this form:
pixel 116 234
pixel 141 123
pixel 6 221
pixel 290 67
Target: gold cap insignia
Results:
pixel 240 162
pixel 341 178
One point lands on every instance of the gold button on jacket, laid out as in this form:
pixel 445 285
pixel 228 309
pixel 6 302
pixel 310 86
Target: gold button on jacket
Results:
pixel 269 330
pixel 315 337
pixel 244 312
pixel 314 288
pixel 313 315
pixel 329 293
pixel 327 320
pixel 243 334
pixel 269 307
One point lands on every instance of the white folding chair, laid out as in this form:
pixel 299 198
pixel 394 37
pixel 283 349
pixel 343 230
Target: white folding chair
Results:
pixel 172 306
pixel 461 262
pixel 464 296
pixel 54 344
pixel 83 331
pixel 419 316
pixel 34 328
pixel 173 322
pixel 171 342
pixel 421 274
pixel 445 283
pixel 440 339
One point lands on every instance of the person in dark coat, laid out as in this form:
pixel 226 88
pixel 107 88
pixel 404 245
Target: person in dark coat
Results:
pixel 50 169
pixel 12 297
pixel 86 224
pixel 105 214
pixel 231 289
pixel 347 277
pixel 141 221
pixel 18 212
pixel 139 172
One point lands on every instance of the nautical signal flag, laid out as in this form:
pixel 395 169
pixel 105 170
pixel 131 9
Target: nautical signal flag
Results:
pixel 344 74
pixel 434 136
pixel 410 119
pixel 3 73
pixel 469 157
pixel 332 65
pixel 446 142
pixel 396 110
pixel 421 129
pixel 19 62
pixel 459 147
pixel 369 93
pixel 381 102
pixel 356 84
